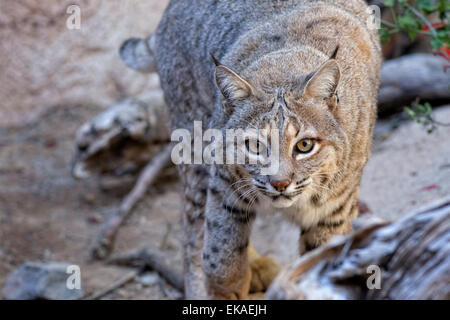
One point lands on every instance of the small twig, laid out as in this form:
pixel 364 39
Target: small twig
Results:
pixel 115 285
pixel 421 17
pixel 147 258
pixel 394 16
pixel 388 24
pixel 109 229
pixel 165 241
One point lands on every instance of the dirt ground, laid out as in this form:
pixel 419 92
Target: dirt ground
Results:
pixel 46 215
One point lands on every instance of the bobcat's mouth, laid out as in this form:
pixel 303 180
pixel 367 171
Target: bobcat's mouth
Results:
pixel 281 199
pixel 281 196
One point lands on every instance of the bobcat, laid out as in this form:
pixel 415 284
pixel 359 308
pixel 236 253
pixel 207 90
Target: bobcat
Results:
pixel 309 69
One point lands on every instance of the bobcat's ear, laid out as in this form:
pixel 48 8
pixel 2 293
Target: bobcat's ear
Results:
pixel 324 82
pixel 232 86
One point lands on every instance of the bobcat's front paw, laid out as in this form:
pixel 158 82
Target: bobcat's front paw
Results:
pixel 220 293
pixel 264 270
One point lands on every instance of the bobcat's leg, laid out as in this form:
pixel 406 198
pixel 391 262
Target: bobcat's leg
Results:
pixel 338 222
pixel 195 182
pixel 228 223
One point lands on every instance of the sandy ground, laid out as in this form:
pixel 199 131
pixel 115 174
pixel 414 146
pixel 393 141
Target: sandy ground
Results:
pixel 408 168
pixel 46 215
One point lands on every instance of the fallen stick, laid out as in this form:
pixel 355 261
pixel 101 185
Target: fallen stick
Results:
pixel 148 259
pixel 108 231
pixel 115 285
pixel 406 259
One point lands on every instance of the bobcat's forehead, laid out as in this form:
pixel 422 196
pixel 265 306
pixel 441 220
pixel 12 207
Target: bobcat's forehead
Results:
pixel 285 118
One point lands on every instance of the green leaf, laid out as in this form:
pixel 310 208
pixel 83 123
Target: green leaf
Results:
pixel 384 35
pixel 444 5
pixel 444 9
pixel 389 3
pixel 443 35
pixel 413 34
pixel 421 113
pixel 410 113
pixel 428 107
pixel 407 22
pixel 428 6
pixel 436 43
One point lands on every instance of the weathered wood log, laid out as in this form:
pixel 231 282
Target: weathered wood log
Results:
pixel 413 76
pixel 137 54
pixel 123 139
pixel 410 258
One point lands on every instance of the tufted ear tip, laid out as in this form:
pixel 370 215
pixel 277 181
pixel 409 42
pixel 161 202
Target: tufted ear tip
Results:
pixel 334 54
pixel 214 59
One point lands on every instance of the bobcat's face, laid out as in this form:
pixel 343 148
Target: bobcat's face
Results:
pixel 310 139
pixel 308 152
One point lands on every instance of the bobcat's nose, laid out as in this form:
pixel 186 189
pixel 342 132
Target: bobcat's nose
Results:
pixel 280 185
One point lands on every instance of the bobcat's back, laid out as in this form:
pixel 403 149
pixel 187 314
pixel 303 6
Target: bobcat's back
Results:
pixel 192 30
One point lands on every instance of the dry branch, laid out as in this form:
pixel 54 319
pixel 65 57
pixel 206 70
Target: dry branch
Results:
pixel 413 255
pixel 116 285
pixel 109 229
pixel 147 258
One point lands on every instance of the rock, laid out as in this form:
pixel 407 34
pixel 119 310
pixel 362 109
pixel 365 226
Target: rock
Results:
pixel 47 65
pixel 149 279
pixel 411 76
pixel 33 280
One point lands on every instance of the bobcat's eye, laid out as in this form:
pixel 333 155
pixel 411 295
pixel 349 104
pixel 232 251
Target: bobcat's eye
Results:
pixel 305 145
pixel 255 147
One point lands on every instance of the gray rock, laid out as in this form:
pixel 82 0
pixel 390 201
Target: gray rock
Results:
pixel 33 280
pixel 149 279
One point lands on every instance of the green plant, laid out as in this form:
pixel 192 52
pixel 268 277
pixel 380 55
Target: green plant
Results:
pixel 421 113
pixel 412 18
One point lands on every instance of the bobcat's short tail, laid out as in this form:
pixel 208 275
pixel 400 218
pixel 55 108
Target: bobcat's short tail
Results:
pixel 138 54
